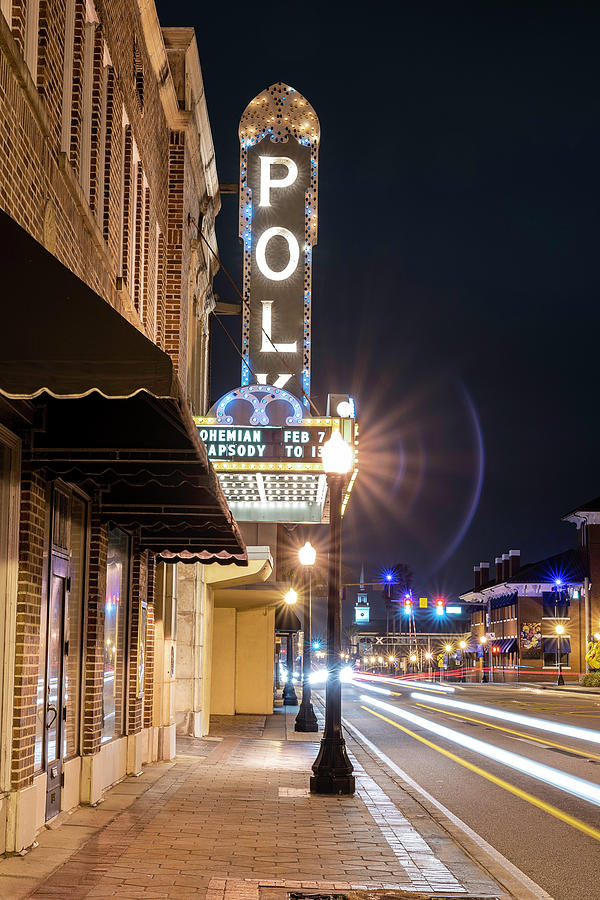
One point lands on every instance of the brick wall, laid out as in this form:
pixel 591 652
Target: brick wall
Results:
pixel 149 670
pixel 139 585
pixel 93 674
pixel 29 592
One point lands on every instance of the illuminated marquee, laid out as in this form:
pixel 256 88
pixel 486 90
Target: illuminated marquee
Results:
pixel 265 443
pixel 279 140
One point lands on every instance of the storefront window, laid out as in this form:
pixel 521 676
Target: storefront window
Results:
pixel 73 623
pixel 115 634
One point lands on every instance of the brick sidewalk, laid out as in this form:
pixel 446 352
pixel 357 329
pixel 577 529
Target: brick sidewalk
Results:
pixel 232 819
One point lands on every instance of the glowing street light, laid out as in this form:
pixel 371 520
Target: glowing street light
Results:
pixel 290 597
pixel 332 768
pixel 306 719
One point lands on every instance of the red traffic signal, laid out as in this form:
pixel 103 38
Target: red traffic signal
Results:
pixel 439 607
pixel 495 649
pixel 407 604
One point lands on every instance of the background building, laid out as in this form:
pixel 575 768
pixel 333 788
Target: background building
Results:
pixel 518 614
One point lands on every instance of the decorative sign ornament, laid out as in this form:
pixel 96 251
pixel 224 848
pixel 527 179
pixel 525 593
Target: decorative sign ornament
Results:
pixel 279 141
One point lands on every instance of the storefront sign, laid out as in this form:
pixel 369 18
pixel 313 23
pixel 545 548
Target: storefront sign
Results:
pixel 279 138
pixel 264 444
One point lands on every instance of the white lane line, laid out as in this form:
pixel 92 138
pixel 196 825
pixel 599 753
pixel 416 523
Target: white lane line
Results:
pixel 536 891
pixel 572 731
pixel 578 787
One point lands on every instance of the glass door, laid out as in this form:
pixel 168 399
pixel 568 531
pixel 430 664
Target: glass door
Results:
pixel 55 702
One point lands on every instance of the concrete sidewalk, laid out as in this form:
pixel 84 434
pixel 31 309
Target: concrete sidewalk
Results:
pixel 232 819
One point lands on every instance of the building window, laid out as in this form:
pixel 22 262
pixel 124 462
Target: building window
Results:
pixel 115 634
pixel 551 660
pixel 67 94
pixel 31 36
pixel 74 623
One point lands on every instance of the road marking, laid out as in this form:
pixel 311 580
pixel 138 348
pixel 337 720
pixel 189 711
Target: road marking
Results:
pixel 528 737
pixel 518 792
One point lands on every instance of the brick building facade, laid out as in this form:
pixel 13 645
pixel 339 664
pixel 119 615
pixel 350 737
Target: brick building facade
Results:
pixel 108 195
pixel 526 614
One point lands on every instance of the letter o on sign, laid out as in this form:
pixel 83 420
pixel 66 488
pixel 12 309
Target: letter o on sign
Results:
pixel 261 248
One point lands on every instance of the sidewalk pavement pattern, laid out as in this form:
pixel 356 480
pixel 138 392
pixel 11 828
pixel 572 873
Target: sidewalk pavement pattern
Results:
pixel 231 818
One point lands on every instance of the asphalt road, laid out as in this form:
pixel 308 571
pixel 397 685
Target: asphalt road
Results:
pixel 548 832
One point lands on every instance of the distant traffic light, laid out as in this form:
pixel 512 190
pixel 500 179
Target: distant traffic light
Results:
pixel 407 605
pixel 439 607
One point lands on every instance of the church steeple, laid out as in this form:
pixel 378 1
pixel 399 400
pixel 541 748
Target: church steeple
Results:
pixel 362 609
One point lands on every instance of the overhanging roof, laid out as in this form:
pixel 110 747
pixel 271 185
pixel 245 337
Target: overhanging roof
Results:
pixel 109 411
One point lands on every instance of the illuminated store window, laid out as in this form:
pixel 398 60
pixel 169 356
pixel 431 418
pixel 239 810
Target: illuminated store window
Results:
pixel 115 634
pixel 73 623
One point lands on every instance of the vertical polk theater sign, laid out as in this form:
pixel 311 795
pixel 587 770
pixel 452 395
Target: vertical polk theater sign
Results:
pixel 279 142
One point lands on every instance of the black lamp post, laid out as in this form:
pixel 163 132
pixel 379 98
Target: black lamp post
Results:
pixel 289 694
pixel 332 768
pixel 306 719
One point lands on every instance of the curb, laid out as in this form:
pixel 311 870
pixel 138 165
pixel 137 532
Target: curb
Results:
pixel 515 882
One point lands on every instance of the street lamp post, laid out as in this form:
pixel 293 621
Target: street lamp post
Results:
pixel 428 656
pixel 560 630
pixel 448 649
pixel 289 694
pixel 484 678
pixel 332 769
pixel 306 719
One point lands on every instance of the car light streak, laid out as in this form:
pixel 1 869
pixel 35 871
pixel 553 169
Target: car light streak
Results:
pixel 443 688
pixel 511 788
pixel 372 687
pixel 545 742
pixel 586 790
pixel 572 731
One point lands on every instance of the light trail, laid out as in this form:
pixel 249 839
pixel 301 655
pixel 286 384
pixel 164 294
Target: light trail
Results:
pixel 572 731
pixel 372 687
pixel 511 788
pixel 578 787
pixel 438 688
pixel 587 754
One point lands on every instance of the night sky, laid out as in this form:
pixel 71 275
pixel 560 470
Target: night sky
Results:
pixel 455 282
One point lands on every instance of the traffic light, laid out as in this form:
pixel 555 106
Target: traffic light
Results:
pixel 439 607
pixel 407 605
pixel 495 649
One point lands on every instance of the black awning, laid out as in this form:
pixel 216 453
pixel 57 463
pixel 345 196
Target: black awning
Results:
pixel 58 336
pixel 508 645
pixel 109 411
pixel 551 644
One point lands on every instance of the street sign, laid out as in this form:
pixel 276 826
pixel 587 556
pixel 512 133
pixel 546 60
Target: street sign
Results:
pixel 422 602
